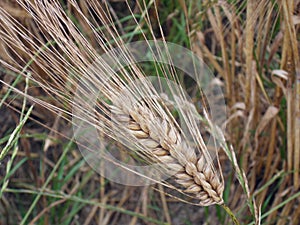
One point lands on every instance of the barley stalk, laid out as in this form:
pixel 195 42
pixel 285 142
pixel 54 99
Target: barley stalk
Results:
pixel 163 143
pixel 159 138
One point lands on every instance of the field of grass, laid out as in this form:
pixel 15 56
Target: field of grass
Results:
pixel 251 47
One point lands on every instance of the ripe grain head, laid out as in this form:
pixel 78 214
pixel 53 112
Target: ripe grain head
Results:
pixel 66 56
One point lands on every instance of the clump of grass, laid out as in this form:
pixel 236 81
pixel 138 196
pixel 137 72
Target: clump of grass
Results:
pixel 242 46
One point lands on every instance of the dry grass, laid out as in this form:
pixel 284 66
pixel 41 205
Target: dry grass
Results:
pixel 251 46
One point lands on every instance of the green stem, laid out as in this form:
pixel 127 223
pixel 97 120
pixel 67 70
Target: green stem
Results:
pixel 230 213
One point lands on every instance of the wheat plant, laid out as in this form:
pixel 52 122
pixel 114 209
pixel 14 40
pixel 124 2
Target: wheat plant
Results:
pixel 76 55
